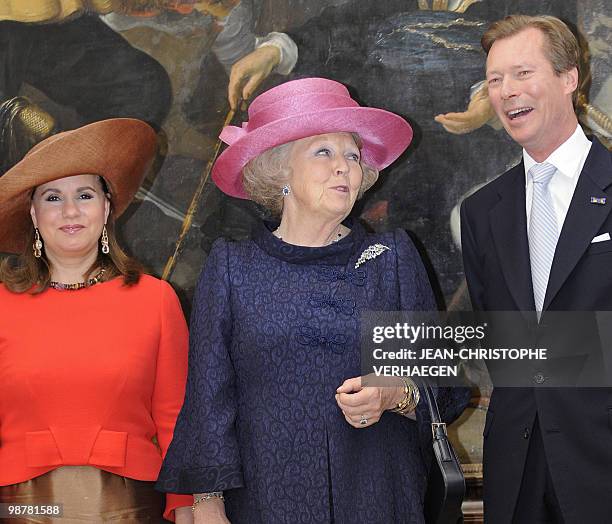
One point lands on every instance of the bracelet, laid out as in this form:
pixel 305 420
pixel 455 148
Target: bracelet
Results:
pixel 411 398
pixel 403 404
pixel 206 496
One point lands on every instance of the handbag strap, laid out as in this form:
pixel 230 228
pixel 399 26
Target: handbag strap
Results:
pixel 434 413
pixel 438 428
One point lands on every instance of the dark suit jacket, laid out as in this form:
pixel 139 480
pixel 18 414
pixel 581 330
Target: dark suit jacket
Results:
pixel 576 424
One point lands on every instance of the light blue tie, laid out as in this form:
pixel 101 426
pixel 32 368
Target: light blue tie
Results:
pixel 543 231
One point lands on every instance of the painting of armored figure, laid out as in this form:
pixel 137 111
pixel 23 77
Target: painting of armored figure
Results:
pixel 422 59
pixel 190 67
pixel 180 66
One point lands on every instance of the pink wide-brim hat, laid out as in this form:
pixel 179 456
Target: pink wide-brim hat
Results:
pixel 303 108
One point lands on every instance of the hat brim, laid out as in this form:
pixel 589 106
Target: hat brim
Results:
pixel 119 149
pixel 385 137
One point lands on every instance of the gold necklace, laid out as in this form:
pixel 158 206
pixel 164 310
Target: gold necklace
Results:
pixel 79 285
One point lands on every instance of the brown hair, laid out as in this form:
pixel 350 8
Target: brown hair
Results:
pixel 26 273
pixel 265 175
pixel 561 46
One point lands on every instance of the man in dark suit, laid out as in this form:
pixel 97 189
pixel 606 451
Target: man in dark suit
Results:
pixel 538 239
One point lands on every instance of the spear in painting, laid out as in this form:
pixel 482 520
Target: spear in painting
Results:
pixel 193 206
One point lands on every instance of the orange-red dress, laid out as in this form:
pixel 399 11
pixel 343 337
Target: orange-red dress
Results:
pixel 92 377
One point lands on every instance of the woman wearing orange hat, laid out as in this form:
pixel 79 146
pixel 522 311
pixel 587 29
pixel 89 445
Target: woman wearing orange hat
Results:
pixel 92 352
pixel 277 425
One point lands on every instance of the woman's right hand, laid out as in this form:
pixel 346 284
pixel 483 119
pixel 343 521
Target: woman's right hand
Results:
pixel 211 511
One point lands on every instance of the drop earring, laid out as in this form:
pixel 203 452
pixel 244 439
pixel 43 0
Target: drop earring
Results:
pixel 104 241
pixel 37 245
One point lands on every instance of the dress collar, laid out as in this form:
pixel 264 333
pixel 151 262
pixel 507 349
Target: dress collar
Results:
pixel 337 253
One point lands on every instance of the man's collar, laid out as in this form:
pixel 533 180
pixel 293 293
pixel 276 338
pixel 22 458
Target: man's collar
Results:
pixel 567 157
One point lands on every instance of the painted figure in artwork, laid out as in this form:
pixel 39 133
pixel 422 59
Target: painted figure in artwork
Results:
pixel 105 58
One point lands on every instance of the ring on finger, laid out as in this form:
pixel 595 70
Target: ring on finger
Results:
pixel 363 420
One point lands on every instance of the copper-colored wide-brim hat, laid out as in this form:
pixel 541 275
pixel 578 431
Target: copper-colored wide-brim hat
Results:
pixel 119 149
pixel 303 108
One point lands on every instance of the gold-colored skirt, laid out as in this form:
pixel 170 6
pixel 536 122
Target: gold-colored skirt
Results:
pixel 87 494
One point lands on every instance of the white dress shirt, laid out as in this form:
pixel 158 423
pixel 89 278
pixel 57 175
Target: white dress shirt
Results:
pixel 569 160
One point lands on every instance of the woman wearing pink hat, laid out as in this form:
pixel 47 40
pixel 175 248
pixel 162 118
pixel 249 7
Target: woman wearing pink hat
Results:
pixel 93 354
pixel 276 426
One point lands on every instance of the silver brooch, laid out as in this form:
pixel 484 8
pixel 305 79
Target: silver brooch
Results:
pixel 370 253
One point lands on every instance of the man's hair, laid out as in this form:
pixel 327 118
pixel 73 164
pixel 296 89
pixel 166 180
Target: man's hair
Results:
pixel 560 45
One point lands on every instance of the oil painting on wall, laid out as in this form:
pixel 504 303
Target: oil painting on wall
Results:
pixel 188 67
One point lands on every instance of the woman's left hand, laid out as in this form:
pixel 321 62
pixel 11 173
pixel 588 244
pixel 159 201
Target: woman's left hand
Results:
pixel 183 515
pixel 363 406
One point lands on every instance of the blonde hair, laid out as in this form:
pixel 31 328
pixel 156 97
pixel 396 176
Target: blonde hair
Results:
pixel 265 175
pixel 560 45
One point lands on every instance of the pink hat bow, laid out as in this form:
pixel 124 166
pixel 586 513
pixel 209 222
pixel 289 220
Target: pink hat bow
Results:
pixel 303 108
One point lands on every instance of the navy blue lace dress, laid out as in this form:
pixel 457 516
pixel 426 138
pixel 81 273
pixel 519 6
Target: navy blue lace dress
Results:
pixel 274 332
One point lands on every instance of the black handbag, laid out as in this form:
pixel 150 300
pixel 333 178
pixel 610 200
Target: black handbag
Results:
pixel 446 484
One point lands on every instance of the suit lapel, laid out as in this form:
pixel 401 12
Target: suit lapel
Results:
pixel 509 227
pixel 583 219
